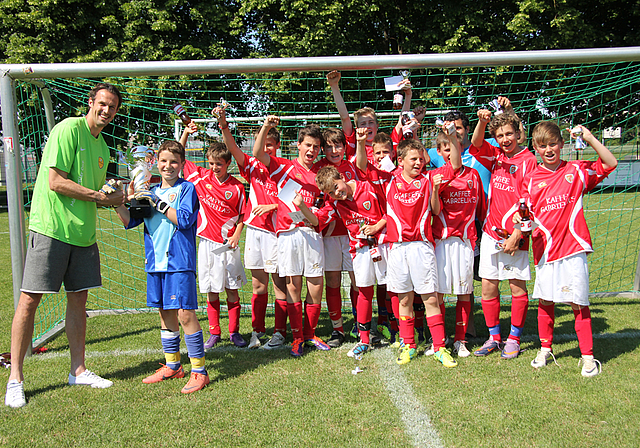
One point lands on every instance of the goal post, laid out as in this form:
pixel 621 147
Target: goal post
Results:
pixel 599 87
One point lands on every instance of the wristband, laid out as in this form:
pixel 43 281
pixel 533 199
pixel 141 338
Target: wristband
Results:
pixel 222 128
pixel 162 207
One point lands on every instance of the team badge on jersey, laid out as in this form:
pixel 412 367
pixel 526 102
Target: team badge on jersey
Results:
pixel 208 186
pixel 299 176
pixel 416 183
pixel 470 184
pixel 172 197
pixel 100 162
pixel 513 169
pixel 399 186
pixel 366 205
pixel 542 184
pixel 348 175
pixel 569 178
pixel 227 195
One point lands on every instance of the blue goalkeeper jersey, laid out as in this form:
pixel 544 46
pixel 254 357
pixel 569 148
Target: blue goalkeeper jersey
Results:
pixel 167 247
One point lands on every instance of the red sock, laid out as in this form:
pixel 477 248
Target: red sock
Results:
pixel 334 306
pixel 281 317
pixel 583 330
pixel 407 332
pixel 259 312
pixel 436 327
pixel 463 311
pixel 365 311
pixel 519 307
pixel 234 316
pixel 546 319
pixel 381 297
pixel 294 310
pixel 312 315
pixel 213 314
pixel 491 310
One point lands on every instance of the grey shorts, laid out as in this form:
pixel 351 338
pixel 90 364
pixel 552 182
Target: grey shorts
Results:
pixel 51 262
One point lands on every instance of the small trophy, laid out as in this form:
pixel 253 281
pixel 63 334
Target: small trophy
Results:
pixel 580 143
pixel 497 108
pixel 140 160
pixel 451 128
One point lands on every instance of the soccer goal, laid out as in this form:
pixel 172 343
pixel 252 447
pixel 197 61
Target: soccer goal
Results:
pixel 599 88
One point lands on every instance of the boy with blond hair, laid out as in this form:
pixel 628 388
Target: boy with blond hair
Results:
pixel 561 240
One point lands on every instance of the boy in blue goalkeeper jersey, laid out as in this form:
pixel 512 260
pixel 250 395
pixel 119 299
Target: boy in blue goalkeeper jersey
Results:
pixel 170 263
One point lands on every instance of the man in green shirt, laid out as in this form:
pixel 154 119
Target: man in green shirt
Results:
pixel 62 240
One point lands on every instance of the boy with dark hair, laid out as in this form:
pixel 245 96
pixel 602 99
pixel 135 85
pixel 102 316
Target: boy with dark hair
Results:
pixel 561 241
pixel 220 225
pixel 170 262
pixel 502 259
pixel 300 250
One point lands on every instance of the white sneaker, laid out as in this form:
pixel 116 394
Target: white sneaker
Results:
pixel 15 394
pixel 461 349
pixel 590 366
pixel 429 350
pixel 88 378
pixel 541 358
pixel 255 339
pixel 276 341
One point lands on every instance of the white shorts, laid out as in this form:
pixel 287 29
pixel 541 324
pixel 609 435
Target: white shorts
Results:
pixel 261 250
pixel 563 281
pixel 412 266
pixel 336 253
pixel 300 252
pixel 366 271
pixel 496 265
pixel 455 266
pixel 217 272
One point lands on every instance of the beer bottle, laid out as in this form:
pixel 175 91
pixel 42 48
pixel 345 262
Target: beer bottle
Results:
pixel 525 219
pixel 180 112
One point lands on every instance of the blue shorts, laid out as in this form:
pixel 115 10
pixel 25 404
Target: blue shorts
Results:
pixel 172 290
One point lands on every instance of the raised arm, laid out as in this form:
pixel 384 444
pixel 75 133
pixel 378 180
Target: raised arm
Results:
pixel 361 148
pixel 227 137
pixel 608 159
pixel 333 78
pixel 455 156
pixel 484 116
pixel 259 153
pixel 435 194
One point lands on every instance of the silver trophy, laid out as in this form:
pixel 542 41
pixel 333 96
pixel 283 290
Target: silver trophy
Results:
pixel 140 160
pixel 580 143
pixel 497 108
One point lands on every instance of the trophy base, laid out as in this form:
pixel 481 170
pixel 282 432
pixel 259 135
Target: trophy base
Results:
pixel 140 208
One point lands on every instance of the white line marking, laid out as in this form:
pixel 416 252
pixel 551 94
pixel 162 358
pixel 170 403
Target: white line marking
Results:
pixel 414 415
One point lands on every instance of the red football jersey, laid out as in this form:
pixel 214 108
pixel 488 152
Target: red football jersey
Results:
pixel 507 185
pixel 555 200
pixel 263 191
pixel 363 209
pixel 281 171
pixel 348 170
pixel 221 203
pixel 351 146
pixel 409 209
pixel 463 202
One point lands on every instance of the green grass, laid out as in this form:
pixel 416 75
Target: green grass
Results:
pixel 260 398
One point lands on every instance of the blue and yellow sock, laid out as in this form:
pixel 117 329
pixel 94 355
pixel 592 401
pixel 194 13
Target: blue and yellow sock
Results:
pixel 195 349
pixel 171 348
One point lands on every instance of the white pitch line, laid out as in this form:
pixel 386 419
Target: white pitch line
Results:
pixel 414 415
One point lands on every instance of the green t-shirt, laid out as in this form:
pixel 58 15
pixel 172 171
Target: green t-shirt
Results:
pixel 70 148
